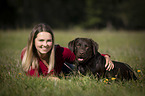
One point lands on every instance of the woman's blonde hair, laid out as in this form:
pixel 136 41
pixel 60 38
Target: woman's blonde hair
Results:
pixel 31 57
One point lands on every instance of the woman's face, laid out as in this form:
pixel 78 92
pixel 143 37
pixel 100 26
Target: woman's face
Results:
pixel 43 42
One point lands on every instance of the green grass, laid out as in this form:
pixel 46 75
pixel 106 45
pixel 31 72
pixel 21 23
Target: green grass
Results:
pixel 125 47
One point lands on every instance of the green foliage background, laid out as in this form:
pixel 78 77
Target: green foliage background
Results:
pixel 123 46
pixel 95 14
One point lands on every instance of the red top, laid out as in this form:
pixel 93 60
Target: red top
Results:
pixel 62 55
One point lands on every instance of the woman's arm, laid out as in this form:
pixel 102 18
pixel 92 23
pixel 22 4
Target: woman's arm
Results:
pixel 109 64
pixel 69 56
pixel 32 72
pixel 53 78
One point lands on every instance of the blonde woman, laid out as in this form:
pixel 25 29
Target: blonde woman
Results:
pixel 42 56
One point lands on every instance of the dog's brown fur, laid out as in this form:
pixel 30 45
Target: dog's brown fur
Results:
pixel 89 59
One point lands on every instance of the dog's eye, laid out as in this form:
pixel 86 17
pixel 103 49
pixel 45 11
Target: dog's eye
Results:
pixel 86 46
pixel 78 45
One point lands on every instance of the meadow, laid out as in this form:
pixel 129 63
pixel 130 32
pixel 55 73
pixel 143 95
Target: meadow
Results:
pixel 128 47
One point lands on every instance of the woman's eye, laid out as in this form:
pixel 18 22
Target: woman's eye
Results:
pixel 49 40
pixel 41 40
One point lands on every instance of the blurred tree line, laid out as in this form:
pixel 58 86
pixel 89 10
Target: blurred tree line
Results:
pixel 98 14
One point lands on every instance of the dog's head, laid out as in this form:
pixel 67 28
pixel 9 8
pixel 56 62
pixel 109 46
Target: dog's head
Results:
pixel 83 48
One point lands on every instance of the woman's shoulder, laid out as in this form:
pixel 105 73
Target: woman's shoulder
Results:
pixel 60 48
pixel 63 50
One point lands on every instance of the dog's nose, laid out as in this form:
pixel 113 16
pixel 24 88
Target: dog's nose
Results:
pixel 82 52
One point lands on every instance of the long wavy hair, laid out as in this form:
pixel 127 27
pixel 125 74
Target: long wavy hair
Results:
pixel 30 57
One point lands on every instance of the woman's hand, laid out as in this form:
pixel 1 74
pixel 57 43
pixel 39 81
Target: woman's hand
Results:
pixel 109 64
pixel 53 78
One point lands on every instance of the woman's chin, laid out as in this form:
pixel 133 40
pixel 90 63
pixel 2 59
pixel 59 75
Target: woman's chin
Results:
pixel 43 52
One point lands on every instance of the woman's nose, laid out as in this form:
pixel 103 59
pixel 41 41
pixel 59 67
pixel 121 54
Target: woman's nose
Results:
pixel 44 43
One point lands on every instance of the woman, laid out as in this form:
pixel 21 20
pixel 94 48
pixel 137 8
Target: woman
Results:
pixel 43 57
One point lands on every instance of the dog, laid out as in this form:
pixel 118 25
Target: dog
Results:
pixel 88 59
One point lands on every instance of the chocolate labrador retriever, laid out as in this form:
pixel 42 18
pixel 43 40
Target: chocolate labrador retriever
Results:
pixel 88 59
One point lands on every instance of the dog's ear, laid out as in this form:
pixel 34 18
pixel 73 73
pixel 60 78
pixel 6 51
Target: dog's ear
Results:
pixel 71 45
pixel 95 46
